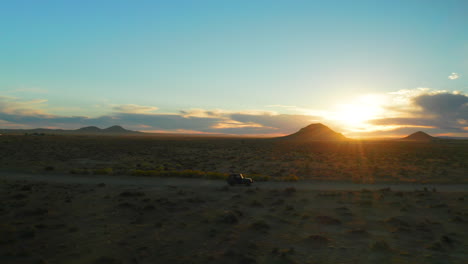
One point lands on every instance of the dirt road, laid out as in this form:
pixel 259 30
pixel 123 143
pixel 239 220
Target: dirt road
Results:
pixel 184 182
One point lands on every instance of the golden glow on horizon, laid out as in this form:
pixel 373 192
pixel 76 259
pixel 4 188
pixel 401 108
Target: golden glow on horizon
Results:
pixel 355 114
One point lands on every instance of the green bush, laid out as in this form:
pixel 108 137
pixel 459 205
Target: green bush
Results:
pixel 103 171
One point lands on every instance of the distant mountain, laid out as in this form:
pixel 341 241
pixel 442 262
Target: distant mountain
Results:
pixel 314 132
pixel 117 130
pixel 90 130
pixel 419 136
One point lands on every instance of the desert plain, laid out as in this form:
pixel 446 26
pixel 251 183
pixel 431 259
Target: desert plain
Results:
pixel 109 199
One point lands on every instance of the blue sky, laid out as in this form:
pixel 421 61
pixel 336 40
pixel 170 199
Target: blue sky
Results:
pixel 215 59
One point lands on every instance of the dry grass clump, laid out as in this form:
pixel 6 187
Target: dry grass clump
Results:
pixel 327 220
pixel 283 252
pixel 132 194
pixel 318 240
pixel 107 260
pixel 380 245
pixel 103 171
pixel 260 225
pixel 289 178
pixel 289 190
pixel 181 174
pixel 256 203
pixel 79 171
pixel 358 232
pixel 229 217
pixel 49 168
pixel 259 177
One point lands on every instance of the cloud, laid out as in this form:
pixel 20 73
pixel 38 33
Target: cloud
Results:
pixel 235 124
pixel 15 113
pixel 15 106
pixel 454 76
pixel 434 111
pixel 217 113
pixel 440 110
pixel 404 121
pixel 133 108
pixel 281 123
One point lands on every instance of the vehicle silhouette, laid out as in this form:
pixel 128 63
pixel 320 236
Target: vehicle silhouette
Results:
pixel 238 178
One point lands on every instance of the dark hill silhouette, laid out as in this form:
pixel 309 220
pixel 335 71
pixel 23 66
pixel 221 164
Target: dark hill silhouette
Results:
pixel 89 130
pixel 419 136
pixel 118 130
pixel 314 132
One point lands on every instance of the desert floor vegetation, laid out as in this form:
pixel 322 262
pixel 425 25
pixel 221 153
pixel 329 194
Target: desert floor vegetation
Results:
pixel 262 159
pixel 44 222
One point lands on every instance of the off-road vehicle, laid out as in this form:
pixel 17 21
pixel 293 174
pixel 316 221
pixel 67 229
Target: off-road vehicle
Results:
pixel 238 178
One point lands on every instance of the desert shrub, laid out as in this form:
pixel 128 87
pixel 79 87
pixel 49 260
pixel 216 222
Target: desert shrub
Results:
pixel 228 217
pixel 107 260
pixel 146 173
pixel 256 203
pixel 380 246
pixel 132 194
pixel 317 239
pixel 286 252
pixel 358 231
pixel 180 174
pixel 79 171
pixel 289 190
pixel 327 220
pixel 187 174
pixel 260 225
pixel 215 176
pixel 103 171
pixel 289 178
pixel 365 203
pixel 259 177
pixel 49 168
pixel 149 166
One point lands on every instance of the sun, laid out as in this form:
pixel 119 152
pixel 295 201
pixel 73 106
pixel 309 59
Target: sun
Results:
pixel 358 111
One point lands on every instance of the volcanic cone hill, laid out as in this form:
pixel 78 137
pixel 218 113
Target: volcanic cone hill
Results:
pixel 117 130
pixel 89 130
pixel 314 132
pixel 419 136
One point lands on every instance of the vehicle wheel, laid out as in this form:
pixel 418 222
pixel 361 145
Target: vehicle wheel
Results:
pixel 248 183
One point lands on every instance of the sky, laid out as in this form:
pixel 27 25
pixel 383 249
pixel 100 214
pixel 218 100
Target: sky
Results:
pixel 364 68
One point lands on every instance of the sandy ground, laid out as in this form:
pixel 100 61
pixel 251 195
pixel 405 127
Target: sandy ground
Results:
pixel 54 218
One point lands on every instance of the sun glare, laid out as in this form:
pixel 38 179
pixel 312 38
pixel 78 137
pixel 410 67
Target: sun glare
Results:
pixel 355 113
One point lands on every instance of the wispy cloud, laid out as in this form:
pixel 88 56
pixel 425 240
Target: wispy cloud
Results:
pixel 16 106
pixel 203 113
pixel 436 111
pixel 454 76
pixel 133 108
pixel 235 124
